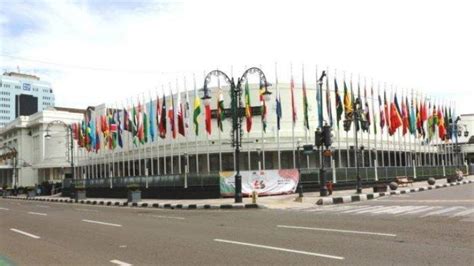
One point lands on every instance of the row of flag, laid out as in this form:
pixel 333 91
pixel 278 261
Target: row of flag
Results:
pixel 416 116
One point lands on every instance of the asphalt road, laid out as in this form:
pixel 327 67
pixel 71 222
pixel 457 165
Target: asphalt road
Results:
pixel 38 233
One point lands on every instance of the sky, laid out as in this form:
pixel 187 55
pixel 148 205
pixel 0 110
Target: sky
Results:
pixel 111 51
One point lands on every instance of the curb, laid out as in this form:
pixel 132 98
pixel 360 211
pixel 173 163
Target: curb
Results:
pixel 145 204
pixel 370 196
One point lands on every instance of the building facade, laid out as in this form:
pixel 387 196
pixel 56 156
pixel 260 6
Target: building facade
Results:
pixel 197 151
pixel 37 159
pixel 23 94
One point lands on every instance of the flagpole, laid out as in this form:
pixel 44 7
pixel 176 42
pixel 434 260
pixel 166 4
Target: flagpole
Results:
pixel 156 122
pixel 369 151
pixel 348 156
pixel 178 109
pixel 319 108
pixel 374 120
pixel 278 130
pixel 293 119
pixel 360 124
pixel 165 160
pixel 338 128
pixel 222 124
pixel 196 135
pixel 173 129
pixel 306 127
pixel 186 125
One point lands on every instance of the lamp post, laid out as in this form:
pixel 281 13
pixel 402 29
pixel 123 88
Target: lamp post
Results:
pixel 236 93
pixel 71 140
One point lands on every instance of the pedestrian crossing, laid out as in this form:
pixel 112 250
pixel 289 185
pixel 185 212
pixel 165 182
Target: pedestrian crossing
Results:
pixel 423 211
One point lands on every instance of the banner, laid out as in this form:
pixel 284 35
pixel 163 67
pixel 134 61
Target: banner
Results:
pixel 268 182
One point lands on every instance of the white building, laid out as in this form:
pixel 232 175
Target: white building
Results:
pixel 38 159
pixel 36 94
pixel 275 149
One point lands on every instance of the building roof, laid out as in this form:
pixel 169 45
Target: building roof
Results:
pixel 20 75
pixel 70 110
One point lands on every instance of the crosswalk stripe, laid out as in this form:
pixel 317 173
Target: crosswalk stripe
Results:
pixel 360 209
pixel 463 213
pixel 404 209
pixel 426 208
pixel 383 209
pixel 441 211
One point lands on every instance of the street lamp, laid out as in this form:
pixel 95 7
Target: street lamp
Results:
pixel 236 94
pixel 71 140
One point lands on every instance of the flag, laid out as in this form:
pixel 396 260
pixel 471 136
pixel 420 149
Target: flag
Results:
pixel 126 120
pixel 419 120
pixel 152 118
pixel 278 110
pixel 412 117
pixel 353 101
pixel 382 114
pixel 328 102
pixel 319 100
pixel 339 108
pixel 348 107
pixel 293 106
pixel 447 118
pixel 146 127
pixel 197 112
pixel 134 125
pixel 140 125
pixel 171 116
pixel 405 116
pixel 441 125
pixel 386 110
pixel 220 110
pixel 97 137
pixel 373 112
pixel 180 115
pixel 263 107
pixel 162 126
pixel 305 107
pixel 119 130
pixel 366 111
pixel 395 117
pixel 248 107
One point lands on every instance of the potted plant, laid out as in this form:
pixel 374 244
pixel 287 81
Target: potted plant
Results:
pixel 79 192
pixel 134 193
pixel 31 192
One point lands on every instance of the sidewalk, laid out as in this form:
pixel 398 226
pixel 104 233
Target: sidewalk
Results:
pixel 310 199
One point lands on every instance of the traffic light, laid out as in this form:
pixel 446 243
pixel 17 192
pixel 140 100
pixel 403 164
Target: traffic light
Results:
pixel 318 138
pixel 327 136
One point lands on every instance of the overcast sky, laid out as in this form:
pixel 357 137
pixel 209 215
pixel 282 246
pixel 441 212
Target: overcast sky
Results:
pixel 107 51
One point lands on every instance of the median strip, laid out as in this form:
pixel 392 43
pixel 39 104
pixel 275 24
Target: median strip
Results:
pixel 4 209
pixel 24 233
pixel 280 249
pixel 336 230
pixel 103 223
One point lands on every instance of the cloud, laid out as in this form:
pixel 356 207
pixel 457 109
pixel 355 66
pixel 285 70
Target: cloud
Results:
pixel 111 51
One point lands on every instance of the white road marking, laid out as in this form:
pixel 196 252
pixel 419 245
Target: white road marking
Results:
pixel 421 210
pixel 103 223
pixel 121 263
pixel 24 233
pixel 336 230
pixel 162 216
pixel 4 209
pixel 38 213
pixel 361 209
pixel 405 209
pixel 86 210
pixel 463 213
pixel 43 206
pixel 374 210
pixel 280 249
pixel 441 211
pixel 429 201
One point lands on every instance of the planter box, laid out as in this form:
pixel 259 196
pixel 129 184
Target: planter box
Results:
pixel 31 193
pixel 134 196
pixel 380 188
pixel 80 195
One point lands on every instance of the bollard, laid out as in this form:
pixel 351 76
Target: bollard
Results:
pixel 254 197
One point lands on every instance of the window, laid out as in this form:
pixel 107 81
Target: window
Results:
pixel 17 87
